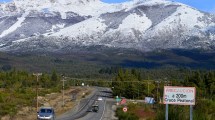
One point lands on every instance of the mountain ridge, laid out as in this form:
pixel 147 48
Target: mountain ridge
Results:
pixel 145 25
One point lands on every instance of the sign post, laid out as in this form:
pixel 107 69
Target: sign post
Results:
pixel 191 112
pixel 166 113
pixel 179 96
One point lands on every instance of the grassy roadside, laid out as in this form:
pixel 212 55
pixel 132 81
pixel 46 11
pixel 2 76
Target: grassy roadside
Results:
pixel 51 99
pixel 136 111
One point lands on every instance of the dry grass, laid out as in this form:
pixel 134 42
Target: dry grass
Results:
pixel 54 100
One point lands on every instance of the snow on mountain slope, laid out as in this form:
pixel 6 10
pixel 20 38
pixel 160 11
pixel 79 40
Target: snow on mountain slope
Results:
pixel 15 26
pixel 184 22
pixel 139 24
pixel 89 27
pixel 186 17
pixel 135 27
pixel 93 25
pixel 81 7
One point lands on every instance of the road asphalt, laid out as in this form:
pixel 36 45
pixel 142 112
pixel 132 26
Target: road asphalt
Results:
pixel 83 110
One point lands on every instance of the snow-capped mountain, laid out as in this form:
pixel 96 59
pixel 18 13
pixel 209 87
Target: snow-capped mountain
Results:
pixel 57 25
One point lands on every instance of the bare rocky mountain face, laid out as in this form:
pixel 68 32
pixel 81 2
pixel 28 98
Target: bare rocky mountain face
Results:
pixel 65 25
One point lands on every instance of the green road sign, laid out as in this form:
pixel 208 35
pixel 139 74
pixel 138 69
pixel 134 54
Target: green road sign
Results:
pixel 118 99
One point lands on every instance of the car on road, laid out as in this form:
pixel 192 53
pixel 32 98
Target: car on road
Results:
pixel 46 113
pixel 99 98
pixel 95 108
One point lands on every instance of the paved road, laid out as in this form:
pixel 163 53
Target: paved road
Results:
pixel 110 107
pixel 83 110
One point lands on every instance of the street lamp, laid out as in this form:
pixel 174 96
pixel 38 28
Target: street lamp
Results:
pixel 37 75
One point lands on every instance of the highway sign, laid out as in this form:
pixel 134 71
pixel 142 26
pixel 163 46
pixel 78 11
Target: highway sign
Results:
pixel 125 109
pixel 179 95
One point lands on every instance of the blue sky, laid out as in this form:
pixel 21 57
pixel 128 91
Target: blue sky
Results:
pixel 204 5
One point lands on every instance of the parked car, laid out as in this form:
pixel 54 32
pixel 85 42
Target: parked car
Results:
pixel 46 113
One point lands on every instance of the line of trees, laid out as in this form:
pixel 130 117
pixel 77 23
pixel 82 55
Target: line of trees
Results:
pixel 129 84
pixel 203 81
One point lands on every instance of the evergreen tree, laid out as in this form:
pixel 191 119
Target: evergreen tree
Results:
pixel 54 78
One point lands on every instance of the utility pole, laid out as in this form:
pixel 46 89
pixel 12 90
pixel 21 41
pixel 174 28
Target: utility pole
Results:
pixel 158 82
pixel 138 90
pixel 37 75
pixel 63 89
pixel 148 88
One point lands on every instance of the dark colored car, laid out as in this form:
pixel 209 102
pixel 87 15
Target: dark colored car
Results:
pixel 95 108
pixel 46 113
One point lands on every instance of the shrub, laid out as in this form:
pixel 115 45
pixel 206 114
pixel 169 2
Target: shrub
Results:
pixel 125 115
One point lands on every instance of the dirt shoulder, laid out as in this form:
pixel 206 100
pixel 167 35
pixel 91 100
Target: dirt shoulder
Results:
pixel 72 97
